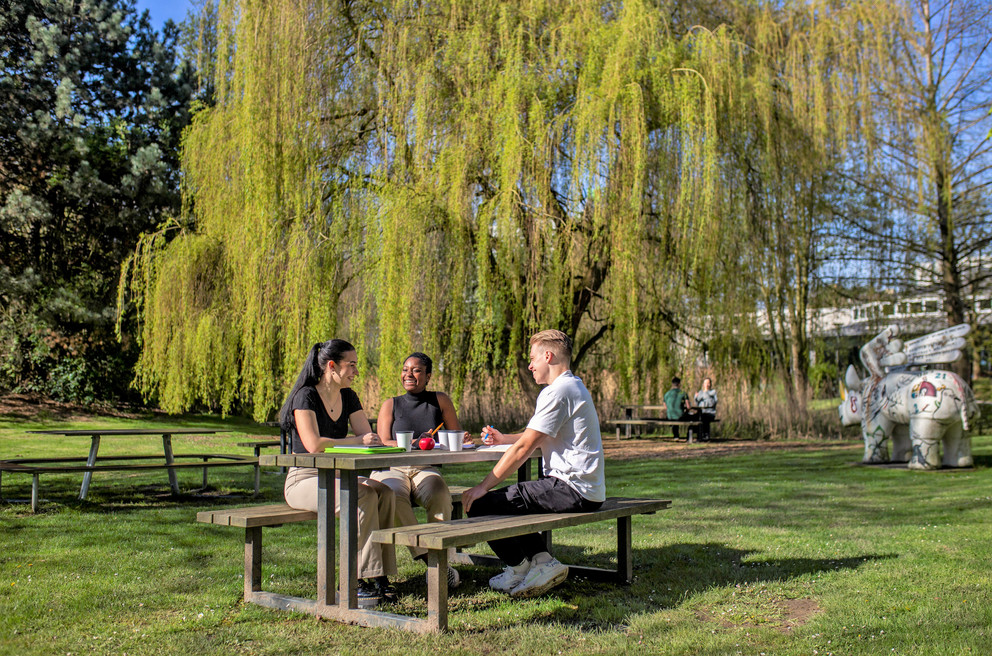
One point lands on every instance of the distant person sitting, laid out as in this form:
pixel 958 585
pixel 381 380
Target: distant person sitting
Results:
pixel 676 404
pixel 706 402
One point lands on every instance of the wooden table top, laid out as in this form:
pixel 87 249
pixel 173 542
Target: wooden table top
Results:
pixel 381 460
pixel 131 431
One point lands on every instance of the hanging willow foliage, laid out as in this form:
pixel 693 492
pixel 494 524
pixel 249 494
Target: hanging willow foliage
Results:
pixel 453 176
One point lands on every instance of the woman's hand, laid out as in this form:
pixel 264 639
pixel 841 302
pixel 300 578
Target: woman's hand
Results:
pixel 467 438
pixel 371 439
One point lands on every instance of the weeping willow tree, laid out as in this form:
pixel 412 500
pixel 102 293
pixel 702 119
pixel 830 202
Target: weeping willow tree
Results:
pixel 451 177
pixel 786 117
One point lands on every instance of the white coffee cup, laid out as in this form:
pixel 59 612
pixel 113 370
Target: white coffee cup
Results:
pixel 456 440
pixel 449 440
pixel 405 439
pixel 446 439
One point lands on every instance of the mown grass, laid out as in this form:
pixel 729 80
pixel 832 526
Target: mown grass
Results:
pixel 780 552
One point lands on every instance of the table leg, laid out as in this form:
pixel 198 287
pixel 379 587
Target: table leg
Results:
pixel 258 470
pixel 348 520
pixel 523 473
pixel 437 589
pixel 253 561
pixel 628 414
pixel 169 459
pixel 90 461
pixel 625 563
pixel 34 493
pixel 325 537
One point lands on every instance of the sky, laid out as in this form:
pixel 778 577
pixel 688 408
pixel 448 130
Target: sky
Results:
pixel 162 10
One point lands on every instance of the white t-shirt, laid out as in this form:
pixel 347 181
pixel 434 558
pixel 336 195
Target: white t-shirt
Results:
pixel 573 451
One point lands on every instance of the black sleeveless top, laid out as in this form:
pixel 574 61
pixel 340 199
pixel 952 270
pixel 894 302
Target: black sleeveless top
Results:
pixel 416 412
pixel 307 398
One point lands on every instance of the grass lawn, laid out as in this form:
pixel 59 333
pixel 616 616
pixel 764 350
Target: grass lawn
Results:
pixel 785 551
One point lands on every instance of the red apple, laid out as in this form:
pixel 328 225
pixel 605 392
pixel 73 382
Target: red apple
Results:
pixel 426 443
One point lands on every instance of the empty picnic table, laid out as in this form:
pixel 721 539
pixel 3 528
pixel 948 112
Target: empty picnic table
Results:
pixel 96 434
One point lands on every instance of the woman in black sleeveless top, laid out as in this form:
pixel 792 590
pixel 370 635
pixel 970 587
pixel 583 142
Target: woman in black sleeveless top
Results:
pixel 317 414
pixel 419 411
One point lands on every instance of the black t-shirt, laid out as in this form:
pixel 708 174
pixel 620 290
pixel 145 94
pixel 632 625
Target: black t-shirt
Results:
pixel 307 398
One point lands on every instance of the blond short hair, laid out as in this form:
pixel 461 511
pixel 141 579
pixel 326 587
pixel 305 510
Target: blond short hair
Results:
pixel 555 341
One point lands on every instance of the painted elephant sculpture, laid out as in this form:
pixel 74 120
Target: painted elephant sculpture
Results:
pixel 917 411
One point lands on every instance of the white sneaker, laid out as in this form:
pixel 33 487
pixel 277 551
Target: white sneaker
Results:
pixel 543 575
pixel 511 577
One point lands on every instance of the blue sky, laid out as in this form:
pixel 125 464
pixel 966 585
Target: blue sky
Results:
pixel 162 10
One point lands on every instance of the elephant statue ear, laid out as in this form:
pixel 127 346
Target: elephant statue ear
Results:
pixel 852 380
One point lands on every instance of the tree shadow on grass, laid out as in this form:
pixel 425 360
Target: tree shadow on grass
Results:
pixel 665 576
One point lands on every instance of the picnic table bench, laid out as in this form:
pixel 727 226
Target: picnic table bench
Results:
pixel 254 518
pixel 439 537
pixel 640 424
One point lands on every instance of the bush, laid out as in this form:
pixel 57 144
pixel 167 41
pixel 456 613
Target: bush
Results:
pixel 823 379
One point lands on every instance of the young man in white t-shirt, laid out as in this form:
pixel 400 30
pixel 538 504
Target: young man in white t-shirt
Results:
pixel 565 427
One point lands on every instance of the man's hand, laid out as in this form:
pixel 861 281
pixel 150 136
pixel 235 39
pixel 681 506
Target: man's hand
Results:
pixel 471 494
pixel 491 436
pixel 371 439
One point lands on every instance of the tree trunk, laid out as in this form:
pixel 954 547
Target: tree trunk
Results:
pixel 950 280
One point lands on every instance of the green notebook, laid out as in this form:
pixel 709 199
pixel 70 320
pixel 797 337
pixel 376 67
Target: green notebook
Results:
pixel 364 449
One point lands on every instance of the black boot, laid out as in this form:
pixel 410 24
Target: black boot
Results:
pixel 368 595
pixel 386 592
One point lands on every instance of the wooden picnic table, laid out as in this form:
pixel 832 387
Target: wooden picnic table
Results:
pixel 96 434
pixel 348 466
pixel 640 416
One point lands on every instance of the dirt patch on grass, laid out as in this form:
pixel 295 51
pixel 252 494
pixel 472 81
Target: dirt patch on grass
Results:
pixel 796 612
pixel 668 449
pixel 783 615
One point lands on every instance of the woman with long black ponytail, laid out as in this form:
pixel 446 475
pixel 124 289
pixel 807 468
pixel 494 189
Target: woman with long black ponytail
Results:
pixel 317 414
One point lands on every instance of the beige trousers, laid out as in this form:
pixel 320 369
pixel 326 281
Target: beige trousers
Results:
pixel 424 487
pixel 376 509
